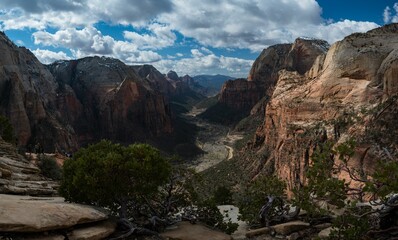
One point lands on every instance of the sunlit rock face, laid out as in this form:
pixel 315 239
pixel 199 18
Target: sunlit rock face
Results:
pixel 356 73
pixel 264 74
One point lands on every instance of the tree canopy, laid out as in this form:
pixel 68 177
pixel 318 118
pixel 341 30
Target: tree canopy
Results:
pixel 111 175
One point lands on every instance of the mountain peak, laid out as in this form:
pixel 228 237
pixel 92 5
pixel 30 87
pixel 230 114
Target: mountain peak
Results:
pixel 172 75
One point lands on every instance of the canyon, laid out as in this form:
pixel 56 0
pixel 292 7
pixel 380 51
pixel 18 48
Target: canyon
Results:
pixel 310 92
pixel 296 97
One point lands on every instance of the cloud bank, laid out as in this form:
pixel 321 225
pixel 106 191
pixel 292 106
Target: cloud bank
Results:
pixel 159 25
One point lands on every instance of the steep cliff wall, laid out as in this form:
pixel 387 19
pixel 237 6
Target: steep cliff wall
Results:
pixel 264 73
pixel 28 97
pixel 71 103
pixel 357 73
pixel 104 98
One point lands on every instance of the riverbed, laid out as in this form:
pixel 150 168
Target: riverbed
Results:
pixel 215 140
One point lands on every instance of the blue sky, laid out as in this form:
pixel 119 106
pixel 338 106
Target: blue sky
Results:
pixel 188 36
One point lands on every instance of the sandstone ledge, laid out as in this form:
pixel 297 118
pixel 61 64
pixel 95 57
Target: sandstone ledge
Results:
pixel 33 214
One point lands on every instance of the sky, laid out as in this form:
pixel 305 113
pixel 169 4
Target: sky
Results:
pixel 188 36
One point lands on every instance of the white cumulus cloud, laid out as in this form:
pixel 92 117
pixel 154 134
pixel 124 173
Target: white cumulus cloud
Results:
pixel 203 62
pixel 157 25
pixel 89 41
pixel 161 36
pixel 47 56
pixel 389 16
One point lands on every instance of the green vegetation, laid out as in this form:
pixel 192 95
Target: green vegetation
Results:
pixel 110 175
pixel 248 127
pixel 6 130
pixel 49 167
pixel 183 103
pixel 136 182
pixel 208 102
pixel 254 195
pixel 221 113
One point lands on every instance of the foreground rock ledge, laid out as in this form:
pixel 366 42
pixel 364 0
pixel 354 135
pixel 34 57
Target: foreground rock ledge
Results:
pixel 188 231
pixel 34 214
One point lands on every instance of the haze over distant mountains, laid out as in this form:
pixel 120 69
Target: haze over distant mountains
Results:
pixel 212 82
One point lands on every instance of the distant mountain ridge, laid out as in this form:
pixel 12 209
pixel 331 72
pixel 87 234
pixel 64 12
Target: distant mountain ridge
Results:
pixel 212 83
pixel 72 103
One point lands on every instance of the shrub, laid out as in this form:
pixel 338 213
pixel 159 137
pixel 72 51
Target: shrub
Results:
pixel 254 197
pixel 49 167
pixel 113 176
pixel 6 130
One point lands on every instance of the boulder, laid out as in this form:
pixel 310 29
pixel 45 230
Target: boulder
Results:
pixel 188 231
pixel 98 231
pixel 34 214
pixel 259 231
pixel 290 227
pixel 325 232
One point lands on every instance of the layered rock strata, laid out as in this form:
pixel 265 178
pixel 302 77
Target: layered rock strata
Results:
pixel 356 74
pixel 28 99
pixel 104 98
pixel 299 56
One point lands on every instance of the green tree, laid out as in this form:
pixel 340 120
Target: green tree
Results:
pixel 6 130
pixel 113 176
pixel 253 197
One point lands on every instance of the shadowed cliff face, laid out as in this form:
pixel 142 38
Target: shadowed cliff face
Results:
pixel 104 98
pixel 72 103
pixel 28 99
pixel 357 73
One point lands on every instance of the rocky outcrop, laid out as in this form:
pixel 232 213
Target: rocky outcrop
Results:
pixel 104 98
pixel 28 96
pixel 240 94
pixel 19 176
pixel 212 83
pixel 264 73
pixel 356 73
pixel 26 217
pixel 158 81
pixel 188 231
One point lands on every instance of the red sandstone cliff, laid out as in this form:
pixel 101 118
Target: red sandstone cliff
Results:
pixel 299 56
pixel 356 74
pixel 104 98
pixel 72 103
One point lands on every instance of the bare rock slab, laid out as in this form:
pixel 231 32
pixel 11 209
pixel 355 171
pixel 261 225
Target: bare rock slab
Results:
pixel 28 214
pixel 290 227
pixel 98 231
pixel 325 232
pixel 188 231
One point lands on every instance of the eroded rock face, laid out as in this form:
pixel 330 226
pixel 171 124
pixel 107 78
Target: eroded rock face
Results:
pixel 299 56
pixel 108 100
pixel 354 74
pixel 240 94
pixel 157 79
pixel 28 97
pixel 19 176
pixel 80 101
